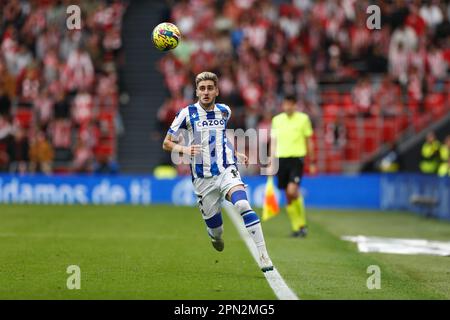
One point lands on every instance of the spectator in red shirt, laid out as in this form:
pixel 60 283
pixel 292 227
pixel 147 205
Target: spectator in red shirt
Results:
pixel 415 21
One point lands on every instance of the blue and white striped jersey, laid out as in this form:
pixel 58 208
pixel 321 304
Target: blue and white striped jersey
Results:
pixel 208 129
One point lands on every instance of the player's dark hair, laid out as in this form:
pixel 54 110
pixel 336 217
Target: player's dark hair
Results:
pixel 290 97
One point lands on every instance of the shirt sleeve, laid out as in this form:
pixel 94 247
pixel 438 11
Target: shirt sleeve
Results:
pixel 228 110
pixel 307 128
pixel 178 123
pixel 273 128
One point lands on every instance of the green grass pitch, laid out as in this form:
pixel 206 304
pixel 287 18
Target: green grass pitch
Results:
pixel 163 252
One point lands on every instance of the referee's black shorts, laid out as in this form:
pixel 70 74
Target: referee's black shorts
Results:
pixel 289 170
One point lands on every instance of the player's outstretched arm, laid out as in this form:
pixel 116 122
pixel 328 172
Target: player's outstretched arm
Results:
pixel 170 145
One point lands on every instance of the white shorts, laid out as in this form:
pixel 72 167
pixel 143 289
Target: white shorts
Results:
pixel 210 191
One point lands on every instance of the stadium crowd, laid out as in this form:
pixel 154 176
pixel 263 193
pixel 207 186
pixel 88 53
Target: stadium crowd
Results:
pixel 59 87
pixel 265 49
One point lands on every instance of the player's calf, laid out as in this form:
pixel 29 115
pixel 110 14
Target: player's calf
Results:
pixel 214 226
pixel 253 225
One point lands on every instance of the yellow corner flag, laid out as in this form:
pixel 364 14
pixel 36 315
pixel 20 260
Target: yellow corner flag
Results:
pixel 270 206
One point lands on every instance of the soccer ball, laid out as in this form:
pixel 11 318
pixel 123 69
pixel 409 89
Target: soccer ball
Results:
pixel 166 36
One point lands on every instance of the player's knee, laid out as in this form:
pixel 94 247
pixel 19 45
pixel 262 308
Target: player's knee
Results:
pixel 238 195
pixel 292 192
pixel 291 196
pixel 242 206
pixel 240 201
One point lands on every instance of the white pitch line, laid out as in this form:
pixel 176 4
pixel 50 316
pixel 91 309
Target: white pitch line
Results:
pixel 274 278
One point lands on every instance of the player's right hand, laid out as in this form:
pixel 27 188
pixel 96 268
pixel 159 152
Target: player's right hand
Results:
pixel 193 149
pixel 312 168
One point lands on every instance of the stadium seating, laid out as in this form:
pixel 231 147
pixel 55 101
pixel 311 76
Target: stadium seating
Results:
pixel 365 136
pixel 51 64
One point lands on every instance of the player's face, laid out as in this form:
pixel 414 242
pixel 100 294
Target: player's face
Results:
pixel 289 106
pixel 207 92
